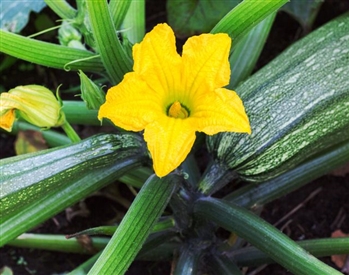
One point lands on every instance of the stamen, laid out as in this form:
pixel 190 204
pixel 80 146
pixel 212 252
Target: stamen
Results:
pixel 176 110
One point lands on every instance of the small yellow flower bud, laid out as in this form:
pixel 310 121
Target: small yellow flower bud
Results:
pixel 33 103
pixel 69 36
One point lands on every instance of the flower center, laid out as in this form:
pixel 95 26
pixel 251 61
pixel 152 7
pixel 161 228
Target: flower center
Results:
pixel 176 110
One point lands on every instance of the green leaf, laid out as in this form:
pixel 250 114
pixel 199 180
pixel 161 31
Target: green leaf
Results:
pixel 136 225
pixel 14 15
pixel 304 12
pixel 111 51
pixel 262 235
pixel 189 17
pixel 49 54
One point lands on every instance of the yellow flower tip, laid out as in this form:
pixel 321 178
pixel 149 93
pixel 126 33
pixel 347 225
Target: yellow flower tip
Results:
pixel 161 171
pixel 7 120
pixel 176 110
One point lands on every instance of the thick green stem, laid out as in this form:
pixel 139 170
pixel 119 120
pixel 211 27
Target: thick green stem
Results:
pixel 49 54
pixel 245 55
pixel 245 16
pixel 112 53
pixel 118 10
pixel 134 22
pixel 62 8
pixel 262 235
pixel 251 256
pixel 69 130
pixel 136 225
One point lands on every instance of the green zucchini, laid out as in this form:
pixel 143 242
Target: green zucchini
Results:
pixel 298 106
pixel 26 178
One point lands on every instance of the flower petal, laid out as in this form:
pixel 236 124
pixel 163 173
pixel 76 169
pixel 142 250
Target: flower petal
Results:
pixel 7 119
pixel 10 101
pixel 157 61
pixel 131 104
pixel 205 63
pixel 221 111
pixel 169 141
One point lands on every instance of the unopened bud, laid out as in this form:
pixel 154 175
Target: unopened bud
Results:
pixel 69 36
pixel 92 94
pixel 33 103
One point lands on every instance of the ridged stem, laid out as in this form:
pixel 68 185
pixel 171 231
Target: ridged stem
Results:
pixel 111 51
pixel 245 16
pixel 245 55
pixel 118 10
pixel 251 256
pixel 49 54
pixel 69 130
pixel 76 112
pixel 62 8
pixel 134 22
pixel 262 235
pixel 136 225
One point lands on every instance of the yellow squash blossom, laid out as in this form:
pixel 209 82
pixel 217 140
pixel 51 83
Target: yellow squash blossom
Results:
pixel 35 104
pixel 171 97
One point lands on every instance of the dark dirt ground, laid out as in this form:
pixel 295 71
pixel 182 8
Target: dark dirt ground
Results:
pixel 327 211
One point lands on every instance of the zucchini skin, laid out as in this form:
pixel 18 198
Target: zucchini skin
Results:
pixel 24 178
pixel 298 106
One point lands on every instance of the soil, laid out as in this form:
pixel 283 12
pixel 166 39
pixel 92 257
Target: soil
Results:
pixel 317 217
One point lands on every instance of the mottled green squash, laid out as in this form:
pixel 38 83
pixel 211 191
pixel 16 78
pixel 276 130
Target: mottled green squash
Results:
pixel 26 178
pixel 298 106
